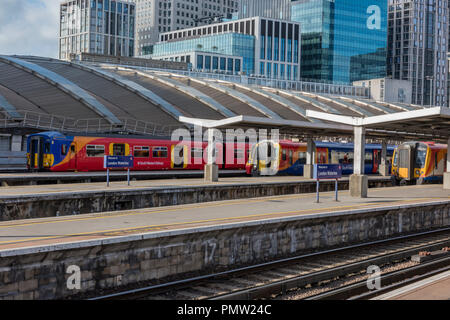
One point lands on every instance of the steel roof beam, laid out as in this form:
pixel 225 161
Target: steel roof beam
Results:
pixel 144 93
pixel 9 108
pixel 276 98
pixel 241 97
pixel 65 85
pixel 194 93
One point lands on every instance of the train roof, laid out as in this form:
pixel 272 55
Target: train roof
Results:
pixel 337 145
pixel 56 134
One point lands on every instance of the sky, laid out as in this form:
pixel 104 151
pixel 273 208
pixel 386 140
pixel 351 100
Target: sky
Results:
pixel 29 27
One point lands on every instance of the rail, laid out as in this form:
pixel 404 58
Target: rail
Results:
pixel 41 121
pixel 301 86
pixel 292 273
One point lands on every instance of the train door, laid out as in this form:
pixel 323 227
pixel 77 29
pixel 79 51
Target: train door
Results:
pixel 406 162
pixel 36 153
pixel 73 156
pixel 179 157
pixel 376 160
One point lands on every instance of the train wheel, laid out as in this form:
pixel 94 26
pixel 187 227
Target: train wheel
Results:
pixel 394 181
pixel 404 182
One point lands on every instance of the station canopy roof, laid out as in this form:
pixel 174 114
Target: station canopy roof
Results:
pixel 425 124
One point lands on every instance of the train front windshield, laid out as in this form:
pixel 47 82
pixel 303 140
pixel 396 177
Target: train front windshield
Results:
pixel 421 156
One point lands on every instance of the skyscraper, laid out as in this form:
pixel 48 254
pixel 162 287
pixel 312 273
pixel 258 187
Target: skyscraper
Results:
pixel 343 40
pixel 158 16
pixel 96 26
pixel 418 44
pixel 275 9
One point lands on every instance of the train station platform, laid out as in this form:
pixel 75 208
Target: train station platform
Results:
pixel 38 201
pixel 433 288
pixel 40 178
pixel 124 248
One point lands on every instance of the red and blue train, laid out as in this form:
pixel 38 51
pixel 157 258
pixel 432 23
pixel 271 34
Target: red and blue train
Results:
pixel 288 158
pixel 54 151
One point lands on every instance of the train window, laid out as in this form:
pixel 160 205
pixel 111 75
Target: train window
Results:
pixel 160 152
pixel 63 149
pixel 47 147
pixel 302 157
pixel 421 156
pixel 95 151
pixel 239 154
pixel 283 157
pixel 72 148
pixel 369 158
pixel 334 156
pixel 141 152
pixel 119 149
pixel 395 161
pixel 196 153
pixel 291 157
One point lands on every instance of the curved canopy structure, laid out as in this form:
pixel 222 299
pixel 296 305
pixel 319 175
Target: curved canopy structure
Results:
pixel 50 94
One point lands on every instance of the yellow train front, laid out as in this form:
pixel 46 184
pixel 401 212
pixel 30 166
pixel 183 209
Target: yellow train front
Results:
pixel 419 162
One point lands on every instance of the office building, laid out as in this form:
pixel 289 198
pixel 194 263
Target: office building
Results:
pixel 276 9
pixel 342 41
pixel 254 46
pixel 159 16
pixel 96 26
pixel 418 44
pixel 388 90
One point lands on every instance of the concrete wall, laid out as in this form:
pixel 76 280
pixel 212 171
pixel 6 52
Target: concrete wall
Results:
pixel 61 204
pixel 388 90
pixel 40 272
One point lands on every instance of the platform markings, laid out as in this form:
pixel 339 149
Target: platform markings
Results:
pixel 136 230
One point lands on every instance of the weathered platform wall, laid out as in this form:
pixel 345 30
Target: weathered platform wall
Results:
pixel 40 272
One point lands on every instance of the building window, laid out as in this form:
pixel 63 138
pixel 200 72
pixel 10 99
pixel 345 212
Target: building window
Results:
pixel 200 62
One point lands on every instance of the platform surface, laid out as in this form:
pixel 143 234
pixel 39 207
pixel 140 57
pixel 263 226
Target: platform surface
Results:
pixel 6 192
pixel 433 288
pixel 69 229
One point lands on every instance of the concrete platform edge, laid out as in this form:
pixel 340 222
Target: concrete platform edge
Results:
pixel 161 234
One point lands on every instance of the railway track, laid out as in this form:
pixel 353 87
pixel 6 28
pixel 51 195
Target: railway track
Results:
pixel 389 282
pixel 277 278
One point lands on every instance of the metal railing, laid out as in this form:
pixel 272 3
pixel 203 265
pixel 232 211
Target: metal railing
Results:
pixel 41 121
pixel 305 86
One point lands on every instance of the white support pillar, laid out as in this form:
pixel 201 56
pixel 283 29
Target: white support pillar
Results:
pixel 384 166
pixel 447 171
pixel 211 168
pixel 359 182
pixel 310 155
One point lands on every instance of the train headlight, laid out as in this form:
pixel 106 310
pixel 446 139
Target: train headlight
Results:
pixel 418 172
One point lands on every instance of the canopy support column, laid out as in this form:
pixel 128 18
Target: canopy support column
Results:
pixel 447 171
pixel 309 166
pixel 384 166
pixel 211 168
pixel 359 183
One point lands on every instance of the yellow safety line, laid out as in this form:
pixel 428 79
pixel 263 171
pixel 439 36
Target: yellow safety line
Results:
pixel 198 222
pixel 185 207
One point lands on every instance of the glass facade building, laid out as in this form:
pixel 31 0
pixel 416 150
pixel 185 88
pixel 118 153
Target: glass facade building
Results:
pixel 277 9
pixel 157 16
pixel 342 40
pixel 218 46
pixel 268 47
pixel 418 44
pixel 97 26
